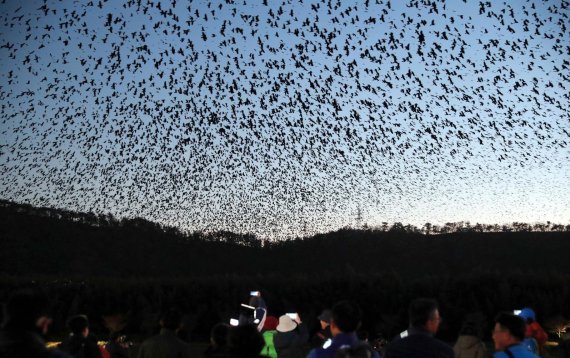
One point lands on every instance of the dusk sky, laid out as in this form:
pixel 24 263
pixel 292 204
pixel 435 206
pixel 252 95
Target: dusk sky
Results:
pixel 286 118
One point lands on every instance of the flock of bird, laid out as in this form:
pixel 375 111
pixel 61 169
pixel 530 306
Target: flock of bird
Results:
pixel 284 117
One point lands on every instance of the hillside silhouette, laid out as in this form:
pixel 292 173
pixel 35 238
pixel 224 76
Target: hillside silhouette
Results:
pixel 44 241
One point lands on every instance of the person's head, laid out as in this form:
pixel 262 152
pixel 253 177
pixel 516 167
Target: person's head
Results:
pixel 78 325
pixel 219 335
pixel 509 329
pixel 270 323
pixel 245 341
pixel 424 313
pixel 171 319
pixel 345 318
pixel 325 318
pixel 28 310
pixel 528 315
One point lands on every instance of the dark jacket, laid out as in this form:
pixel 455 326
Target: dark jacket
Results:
pixel 164 345
pixel 339 341
pixel 418 344
pixel 291 344
pixel 25 344
pixel 81 347
pixel 321 337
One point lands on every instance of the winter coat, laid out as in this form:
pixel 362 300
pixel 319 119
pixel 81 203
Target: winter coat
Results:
pixel 469 347
pixel 290 344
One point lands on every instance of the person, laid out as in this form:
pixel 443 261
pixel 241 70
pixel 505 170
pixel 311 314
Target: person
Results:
pixel 166 344
pixel 258 314
pixel 218 347
pixel 419 340
pixel 27 321
pixel 508 334
pixel 245 341
pixel 324 333
pixel 290 337
pixel 118 345
pixel 345 321
pixel 80 344
pixel 268 332
pixel 535 336
pixel 469 344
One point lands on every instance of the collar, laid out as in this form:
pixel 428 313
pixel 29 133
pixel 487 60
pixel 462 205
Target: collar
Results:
pixel 419 330
pixel 167 332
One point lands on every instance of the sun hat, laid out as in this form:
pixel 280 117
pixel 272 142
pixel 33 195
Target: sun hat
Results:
pixel 286 324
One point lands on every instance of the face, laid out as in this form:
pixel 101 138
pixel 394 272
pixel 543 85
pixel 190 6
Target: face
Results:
pixel 501 337
pixel 432 324
pixel 43 324
pixel 324 324
pixel 334 329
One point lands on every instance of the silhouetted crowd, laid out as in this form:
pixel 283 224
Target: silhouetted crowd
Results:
pixel 255 333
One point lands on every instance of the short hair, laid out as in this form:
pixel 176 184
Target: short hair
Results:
pixel 346 316
pixel 77 324
pixel 219 334
pixel 421 310
pixel 24 308
pixel 513 323
pixel 171 319
pixel 245 341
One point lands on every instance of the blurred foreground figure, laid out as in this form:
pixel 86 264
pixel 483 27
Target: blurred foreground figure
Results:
pixel 245 341
pixel 27 320
pixel 166 344
pixel 80 344
pixel 508 334
pixel 418 340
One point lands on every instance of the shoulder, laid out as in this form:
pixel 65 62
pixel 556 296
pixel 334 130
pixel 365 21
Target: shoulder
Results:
pixel 500 355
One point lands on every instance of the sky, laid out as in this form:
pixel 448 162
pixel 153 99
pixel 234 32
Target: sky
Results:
pixel 286 118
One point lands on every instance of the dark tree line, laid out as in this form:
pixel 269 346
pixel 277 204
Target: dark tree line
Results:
pixel 128 270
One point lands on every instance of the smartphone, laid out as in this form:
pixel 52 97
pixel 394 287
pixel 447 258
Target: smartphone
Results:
pixel 517 312
pixel 234 322
pixel 254 293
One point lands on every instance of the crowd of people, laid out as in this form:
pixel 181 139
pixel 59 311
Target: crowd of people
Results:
pixel 256 333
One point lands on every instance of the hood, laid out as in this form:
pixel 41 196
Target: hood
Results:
pixel 466 342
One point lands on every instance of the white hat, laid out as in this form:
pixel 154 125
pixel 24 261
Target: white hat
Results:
pixel 286 324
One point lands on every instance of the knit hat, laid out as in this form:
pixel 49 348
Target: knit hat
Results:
pixel 325 316
pixel 286 324
pixel 270 323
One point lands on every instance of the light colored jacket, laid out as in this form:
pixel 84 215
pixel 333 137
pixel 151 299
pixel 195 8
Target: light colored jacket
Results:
pixel 469 347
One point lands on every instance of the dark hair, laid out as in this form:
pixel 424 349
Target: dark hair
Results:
pixel 24 308
pixel 219 334
pixel 362 350
pixel 245 341
pixel 421 310
pixel 346 316
pixel 77 324
pixel 171 319
pixel 513 323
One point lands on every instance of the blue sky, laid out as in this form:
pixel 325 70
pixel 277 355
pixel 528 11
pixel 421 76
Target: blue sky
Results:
pixel 285 118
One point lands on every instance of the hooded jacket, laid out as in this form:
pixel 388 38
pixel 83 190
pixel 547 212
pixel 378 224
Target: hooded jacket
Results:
pixel 469 347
